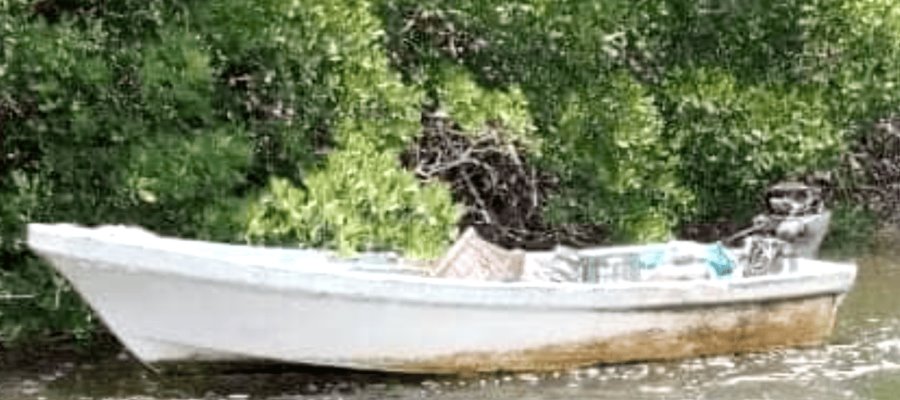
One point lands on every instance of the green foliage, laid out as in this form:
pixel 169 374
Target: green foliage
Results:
pixel 20 200
pixel 852 232
pixel 291 69
pixel 614 163
pixel 176 81
pixel 738 104
pixel 35 303
pixel 175 117
pixel 853 49
pixel 160 168
pixel 595 126
pixel 361 200
pixel 757 40
pixel 179 181
pixel 274 74
pixel 386 112
pixel 475 108
pixel 735 139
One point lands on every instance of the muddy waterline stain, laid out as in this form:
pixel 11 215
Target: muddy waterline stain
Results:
pixel 861 361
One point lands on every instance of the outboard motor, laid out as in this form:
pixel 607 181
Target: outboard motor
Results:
pixel 794 225
pixel 797 213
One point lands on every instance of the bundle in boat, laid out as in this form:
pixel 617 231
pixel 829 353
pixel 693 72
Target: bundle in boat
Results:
pixel 793 227
pixel 474 258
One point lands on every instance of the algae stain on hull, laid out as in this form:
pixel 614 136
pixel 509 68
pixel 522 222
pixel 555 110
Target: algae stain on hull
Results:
pixel 727 329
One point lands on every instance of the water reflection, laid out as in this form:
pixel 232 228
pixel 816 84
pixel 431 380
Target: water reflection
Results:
pixel 863 362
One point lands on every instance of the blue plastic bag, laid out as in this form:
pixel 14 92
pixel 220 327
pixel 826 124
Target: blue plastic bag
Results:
pixel 715 256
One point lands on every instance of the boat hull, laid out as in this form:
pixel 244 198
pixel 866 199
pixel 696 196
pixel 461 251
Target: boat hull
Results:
pixel 269 314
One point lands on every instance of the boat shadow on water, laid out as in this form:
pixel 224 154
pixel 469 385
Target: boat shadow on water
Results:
pixel 105 370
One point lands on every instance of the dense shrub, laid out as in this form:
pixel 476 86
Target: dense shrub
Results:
pixel 758 40
pixel 37 304
pixel 614 162
pixel 476 109
pixel 853 49
pixel 852 233
pixel 735 139
pixel 360 200
pixel 175 117
pixel 733 94
pixel 597 127
pixel 183 185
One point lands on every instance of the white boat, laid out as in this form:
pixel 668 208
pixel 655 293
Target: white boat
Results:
pixel 172 300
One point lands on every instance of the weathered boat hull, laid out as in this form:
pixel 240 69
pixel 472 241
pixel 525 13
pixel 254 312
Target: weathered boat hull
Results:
pixel 173 301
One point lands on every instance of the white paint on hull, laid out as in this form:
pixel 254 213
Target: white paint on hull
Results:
pixel 176 300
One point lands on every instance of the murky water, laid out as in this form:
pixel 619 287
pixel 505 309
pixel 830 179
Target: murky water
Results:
pixel 861 362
